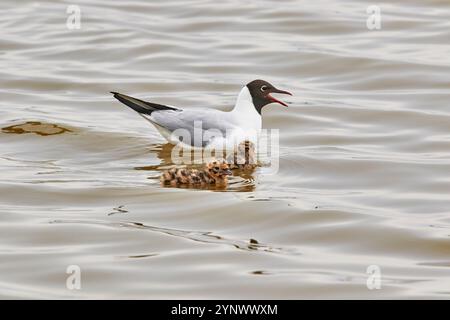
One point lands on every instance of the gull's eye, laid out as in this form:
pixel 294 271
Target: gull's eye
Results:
pixel 264 88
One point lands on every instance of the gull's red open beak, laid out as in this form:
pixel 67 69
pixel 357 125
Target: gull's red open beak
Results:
pixel 276 100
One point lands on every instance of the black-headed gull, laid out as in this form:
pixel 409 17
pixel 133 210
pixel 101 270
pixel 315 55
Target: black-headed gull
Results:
pixel 213 126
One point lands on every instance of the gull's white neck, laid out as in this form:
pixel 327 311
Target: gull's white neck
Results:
pixel 245 112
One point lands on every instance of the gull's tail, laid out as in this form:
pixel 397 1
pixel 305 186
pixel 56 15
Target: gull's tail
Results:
pixel 140 106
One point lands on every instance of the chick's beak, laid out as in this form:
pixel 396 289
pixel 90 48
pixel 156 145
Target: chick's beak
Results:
pixel 227 172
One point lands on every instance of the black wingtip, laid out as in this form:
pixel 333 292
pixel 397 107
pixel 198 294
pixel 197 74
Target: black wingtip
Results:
pixel 140 106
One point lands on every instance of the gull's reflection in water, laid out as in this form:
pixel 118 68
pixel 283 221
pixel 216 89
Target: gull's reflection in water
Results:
pixel 241 180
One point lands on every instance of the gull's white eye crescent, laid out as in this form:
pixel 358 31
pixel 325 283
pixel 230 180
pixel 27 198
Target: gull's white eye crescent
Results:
pixel 264 88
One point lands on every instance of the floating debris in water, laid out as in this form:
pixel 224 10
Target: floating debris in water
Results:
pixel 259 272
pixel 37 127
pixel 119 209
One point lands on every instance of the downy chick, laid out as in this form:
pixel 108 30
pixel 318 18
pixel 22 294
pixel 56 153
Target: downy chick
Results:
pixel 244 156
pixel 215 172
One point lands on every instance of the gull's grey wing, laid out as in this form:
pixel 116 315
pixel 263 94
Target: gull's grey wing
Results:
pixel 168 119
pixel 204 119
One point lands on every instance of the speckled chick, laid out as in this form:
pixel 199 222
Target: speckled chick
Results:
pixel 215 172
pixel 244 156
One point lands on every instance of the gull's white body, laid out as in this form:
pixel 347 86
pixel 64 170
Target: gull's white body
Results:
pixel 241 123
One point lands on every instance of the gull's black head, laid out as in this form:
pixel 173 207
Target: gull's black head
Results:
pixel 261 90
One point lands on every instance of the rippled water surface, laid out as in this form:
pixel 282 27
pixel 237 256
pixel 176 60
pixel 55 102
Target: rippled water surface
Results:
pixel 364 173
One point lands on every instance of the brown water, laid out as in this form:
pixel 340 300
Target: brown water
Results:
pixel 364 173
